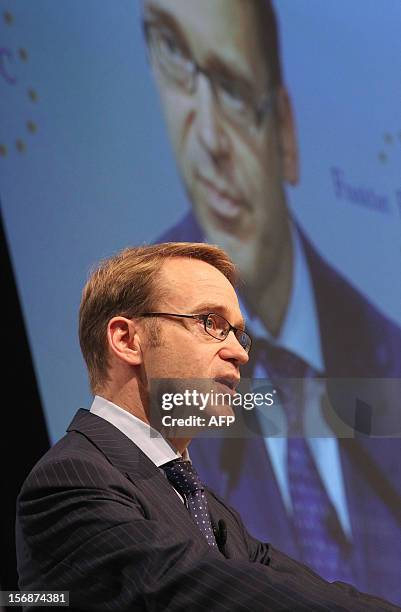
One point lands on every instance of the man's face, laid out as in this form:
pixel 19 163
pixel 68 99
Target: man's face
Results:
pixel 185 350
pixel 228 152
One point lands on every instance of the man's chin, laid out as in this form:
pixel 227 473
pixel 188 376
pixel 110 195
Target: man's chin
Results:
pixel 243 250
pixel 229 229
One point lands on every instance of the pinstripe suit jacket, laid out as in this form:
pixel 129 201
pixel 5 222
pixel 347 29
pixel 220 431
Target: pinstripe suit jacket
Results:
pixel 97 518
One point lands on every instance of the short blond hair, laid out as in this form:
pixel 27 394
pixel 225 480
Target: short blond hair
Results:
pixel 126 285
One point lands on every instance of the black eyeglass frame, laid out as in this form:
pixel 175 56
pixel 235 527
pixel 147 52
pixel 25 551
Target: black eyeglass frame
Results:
pixel 204 317
pixel 260 108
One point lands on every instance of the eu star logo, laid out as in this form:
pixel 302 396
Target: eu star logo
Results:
pixel 13 83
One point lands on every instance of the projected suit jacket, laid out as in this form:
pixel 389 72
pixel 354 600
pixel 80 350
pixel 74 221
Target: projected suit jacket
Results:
pixel 97 518
pixel 357 341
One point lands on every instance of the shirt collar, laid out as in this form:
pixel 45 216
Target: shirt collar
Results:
pixel 150 441
pixel 299 332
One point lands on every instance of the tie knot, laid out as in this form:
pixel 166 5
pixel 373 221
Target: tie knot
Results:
pixel 183 476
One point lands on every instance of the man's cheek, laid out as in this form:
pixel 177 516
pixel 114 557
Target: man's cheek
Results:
pixel 173 112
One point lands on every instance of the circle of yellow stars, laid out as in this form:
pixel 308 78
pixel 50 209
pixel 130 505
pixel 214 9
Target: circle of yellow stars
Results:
pixel 31 93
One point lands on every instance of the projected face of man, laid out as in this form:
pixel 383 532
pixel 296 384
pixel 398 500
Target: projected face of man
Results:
pixel 231 128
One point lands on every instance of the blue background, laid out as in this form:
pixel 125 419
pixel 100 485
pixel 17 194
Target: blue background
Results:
pixel 99 165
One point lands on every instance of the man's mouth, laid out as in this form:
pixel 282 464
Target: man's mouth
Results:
pixel 220 200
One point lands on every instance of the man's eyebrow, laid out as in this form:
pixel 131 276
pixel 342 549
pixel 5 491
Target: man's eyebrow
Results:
pixel 222 68
pixel 161 17
pixel 206 307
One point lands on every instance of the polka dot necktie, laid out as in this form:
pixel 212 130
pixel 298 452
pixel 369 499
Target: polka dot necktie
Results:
pixel 322 543
pixel 183 476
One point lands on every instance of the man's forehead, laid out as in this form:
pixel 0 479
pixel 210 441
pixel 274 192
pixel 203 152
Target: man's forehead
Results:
pixel 188 271
pixel 187 283
pixel 188 11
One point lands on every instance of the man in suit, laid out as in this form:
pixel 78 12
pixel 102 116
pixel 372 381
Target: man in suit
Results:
pixel 115 513
pixel 230 120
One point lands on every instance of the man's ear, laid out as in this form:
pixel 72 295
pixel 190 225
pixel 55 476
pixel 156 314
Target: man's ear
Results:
pixel 287 137
pixel 124 340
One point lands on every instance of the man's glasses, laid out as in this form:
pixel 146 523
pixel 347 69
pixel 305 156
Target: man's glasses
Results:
pixel 233 96
pixel 215 325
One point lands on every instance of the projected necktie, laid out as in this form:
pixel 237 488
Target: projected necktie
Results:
pixel 319 535
pixel 185 479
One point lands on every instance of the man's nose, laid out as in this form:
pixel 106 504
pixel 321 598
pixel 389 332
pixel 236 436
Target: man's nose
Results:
pixel 209 126
pixel 232 350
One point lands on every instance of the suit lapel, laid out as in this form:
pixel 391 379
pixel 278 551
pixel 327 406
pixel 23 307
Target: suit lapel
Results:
pixel 349 326
pixel 159 499
pixel 123 454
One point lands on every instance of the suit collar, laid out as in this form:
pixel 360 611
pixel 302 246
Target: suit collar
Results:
pixel 148 439
pixel 345 317
pixel 119 450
